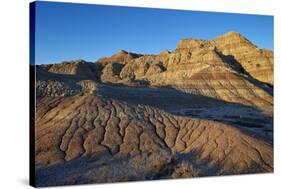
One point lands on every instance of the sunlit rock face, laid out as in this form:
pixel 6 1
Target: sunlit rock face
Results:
pixel 229 67
pixel 257 62
pixel 121 57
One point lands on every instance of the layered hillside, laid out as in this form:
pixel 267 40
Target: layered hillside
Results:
pixel 204 109
pixel 257 62
pixel 229 68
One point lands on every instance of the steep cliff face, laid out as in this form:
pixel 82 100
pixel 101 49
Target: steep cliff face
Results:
pixel 257 62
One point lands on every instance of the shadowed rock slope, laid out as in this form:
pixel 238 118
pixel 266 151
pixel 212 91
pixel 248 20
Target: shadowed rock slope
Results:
pixel 204 109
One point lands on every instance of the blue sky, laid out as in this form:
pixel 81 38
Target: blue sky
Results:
pixel 67 31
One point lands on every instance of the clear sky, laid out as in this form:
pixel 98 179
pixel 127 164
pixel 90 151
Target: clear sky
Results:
pixel 67 31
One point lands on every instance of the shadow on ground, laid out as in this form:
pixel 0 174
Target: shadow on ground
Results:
pixel 106 168
pixel 248 118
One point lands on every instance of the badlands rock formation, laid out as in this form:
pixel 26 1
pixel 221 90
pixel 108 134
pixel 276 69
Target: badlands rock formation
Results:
pixel 257 62
pixel 204 109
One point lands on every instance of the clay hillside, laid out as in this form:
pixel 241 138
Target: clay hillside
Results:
pixel 204 109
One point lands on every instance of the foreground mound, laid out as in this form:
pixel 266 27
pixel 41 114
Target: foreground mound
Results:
pixel 87 139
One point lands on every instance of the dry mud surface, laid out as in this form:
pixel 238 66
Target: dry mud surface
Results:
pixel 90 139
